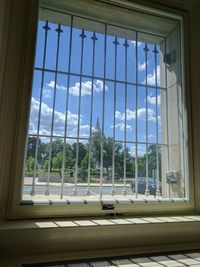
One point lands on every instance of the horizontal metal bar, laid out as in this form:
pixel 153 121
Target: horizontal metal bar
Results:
pixel 133 201
pixel 88 139
pixel 100 78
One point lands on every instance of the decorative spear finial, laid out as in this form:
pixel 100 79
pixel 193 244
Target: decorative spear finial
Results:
pixel 46 26
pixel 82 35
pixel 59 30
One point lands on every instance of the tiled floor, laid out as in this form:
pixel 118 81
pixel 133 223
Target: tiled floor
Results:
pixel 191 258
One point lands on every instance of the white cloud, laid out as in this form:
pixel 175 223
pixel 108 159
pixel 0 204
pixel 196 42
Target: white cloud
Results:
pixel 152 100
pixel 130 115
pixel 134 43
pixel 59 121
pixel 59 87
pixel 141 115
pixel 151 78
pixel 142 66
pixel 121 126
pixel 128 128
pixel 118 115
pixel 86 87
pixel 151 114
pixel 47 93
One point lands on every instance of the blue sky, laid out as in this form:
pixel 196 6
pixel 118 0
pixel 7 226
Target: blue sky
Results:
pixel 62 80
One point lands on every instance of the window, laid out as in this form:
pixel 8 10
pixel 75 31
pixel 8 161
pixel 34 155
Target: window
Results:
pixel 107 113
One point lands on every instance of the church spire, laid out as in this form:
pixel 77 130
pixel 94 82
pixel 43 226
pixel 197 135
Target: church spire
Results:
pixel 97 123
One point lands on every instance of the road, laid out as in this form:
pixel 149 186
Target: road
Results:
pixel 68 190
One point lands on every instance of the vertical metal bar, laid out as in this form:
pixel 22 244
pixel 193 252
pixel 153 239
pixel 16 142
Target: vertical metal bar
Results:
pixel 136 120
pixel 184 130
pixel 83 36
pixel 103 111
pixel 147 160
pixel 179 114
pixel 116 43
pixel 167 122
pixel 59 31
pixel 66 110
pixel 126 45
pixel 155 51
pixel 94 39
pixel 46 28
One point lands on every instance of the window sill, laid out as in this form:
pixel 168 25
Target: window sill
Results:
pixel 73 239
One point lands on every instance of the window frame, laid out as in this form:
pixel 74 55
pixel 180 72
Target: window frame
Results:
pixel 21 117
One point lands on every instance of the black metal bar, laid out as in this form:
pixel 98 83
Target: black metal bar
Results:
pixel 155 51
pixel 94 39
pixel 46 28
pixel 136 118
pixel 147 162
pixel 83 36
pixel 167 122
pixel 184 130
pixel 103 111
pixel 126 45
pixel 66 110
pixel 59 31
pixel 116 43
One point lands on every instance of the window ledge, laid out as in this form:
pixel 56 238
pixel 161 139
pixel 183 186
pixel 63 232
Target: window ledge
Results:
pixel 83 238
pixel 115 221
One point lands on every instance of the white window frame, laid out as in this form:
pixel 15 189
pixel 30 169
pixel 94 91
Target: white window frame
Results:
pixel 21 101
pixel 21 240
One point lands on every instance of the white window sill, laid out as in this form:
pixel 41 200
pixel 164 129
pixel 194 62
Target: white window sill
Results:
pixel 85 238
pixel 73 223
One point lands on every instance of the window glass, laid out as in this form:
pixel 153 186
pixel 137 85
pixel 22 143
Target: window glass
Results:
pixel 106 120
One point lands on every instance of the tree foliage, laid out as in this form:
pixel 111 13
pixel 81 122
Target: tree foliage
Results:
pixel 109 149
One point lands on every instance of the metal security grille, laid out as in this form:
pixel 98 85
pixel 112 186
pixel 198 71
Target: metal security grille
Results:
pixel 99 119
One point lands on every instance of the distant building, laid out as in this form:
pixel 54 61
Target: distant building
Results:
pixel 97 132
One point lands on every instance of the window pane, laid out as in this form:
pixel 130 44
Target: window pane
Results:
pixel 106 118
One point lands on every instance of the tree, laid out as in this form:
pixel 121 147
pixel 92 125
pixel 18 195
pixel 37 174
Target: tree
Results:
pixel 130 164
pixel 152 155
pixel 31 147
pixel 43 149
pixel 107 154
pixel 30 163
pixel 81 154
pixel 57 161
pixel 57 147
pixel 85 162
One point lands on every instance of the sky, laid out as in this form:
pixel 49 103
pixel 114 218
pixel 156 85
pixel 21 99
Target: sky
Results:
pixel 98 86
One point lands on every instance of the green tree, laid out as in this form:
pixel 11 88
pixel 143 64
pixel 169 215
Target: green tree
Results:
pixel 85 162
pixel 43 150
pixel 152 155
pixel 46 164
pixel 82 152
pixel 70 160
pixel 57 147
pixel 30 163
pixel 57 161
pixel 107 154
